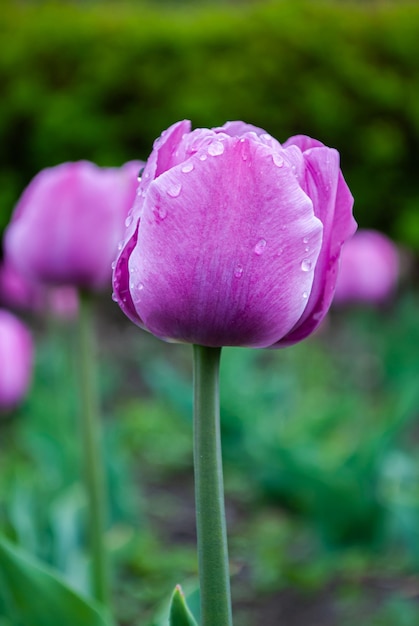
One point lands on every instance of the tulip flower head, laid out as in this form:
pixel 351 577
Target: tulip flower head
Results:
pixel 234 239
pixel 369 268
pixel 17 292
pixel 68 221
pixel 16 354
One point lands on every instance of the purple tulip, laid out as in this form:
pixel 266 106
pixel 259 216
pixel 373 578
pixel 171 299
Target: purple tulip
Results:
pixel 369 268
pixel 66 226
pixel 234 239
pixel 17 292
pixel 16 353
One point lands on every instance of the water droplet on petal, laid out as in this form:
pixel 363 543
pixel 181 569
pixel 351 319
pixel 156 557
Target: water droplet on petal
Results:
pixel 260 247
pixel 306 265
pixel 114 297
pixel 128 221
pixel 280 251
pixel 305 240
pixel 305 295
pixel 174 190
pixel 277 159
pixel 215 148
pixel 113 265
pixel 188 167
pixel 120 244
pixel 238 271
pixel 202 157
pixel 162 213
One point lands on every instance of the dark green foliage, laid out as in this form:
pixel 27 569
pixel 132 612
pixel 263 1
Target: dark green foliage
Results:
pixel 100 81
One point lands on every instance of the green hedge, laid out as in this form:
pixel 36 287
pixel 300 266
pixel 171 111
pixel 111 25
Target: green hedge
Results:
pixel 100 81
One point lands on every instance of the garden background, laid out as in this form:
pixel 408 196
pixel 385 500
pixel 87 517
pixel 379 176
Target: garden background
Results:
pixel 320 440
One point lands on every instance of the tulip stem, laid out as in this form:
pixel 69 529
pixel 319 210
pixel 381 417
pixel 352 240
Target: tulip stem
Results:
pixel 209 491
pixel 92 453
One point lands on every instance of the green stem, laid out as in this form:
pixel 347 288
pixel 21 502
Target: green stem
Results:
pixel 92 452
pixel 209 491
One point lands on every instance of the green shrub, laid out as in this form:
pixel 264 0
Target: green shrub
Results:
pixel 100 81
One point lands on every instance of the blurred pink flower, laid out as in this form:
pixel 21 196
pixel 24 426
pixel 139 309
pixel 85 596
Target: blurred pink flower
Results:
pixel 17 292
pixel 234 239
pixel 67 224
pixel 16 354
pixel 369 268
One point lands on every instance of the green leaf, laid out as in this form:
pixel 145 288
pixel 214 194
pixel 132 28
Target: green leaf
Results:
pixel 32 595
pixel 179 614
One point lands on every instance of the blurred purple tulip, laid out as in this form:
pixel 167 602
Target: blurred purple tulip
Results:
pixel 17 292
pixel 369 268
pixel 66 226
pixel 234 239
pixel 16 354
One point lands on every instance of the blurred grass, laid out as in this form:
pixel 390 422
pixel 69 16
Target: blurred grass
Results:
pixel 321 468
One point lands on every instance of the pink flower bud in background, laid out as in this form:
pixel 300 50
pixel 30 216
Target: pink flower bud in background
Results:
pixel 16 354
pixel 19 293
pixel 234 239
pixel 67 224
pixel 369 268
pixel 16 292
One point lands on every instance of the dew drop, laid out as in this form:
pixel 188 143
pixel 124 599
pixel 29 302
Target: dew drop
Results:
pixel 203 157
pixel 128 221
pixel 174 190
pixel 162 213
pixel 306 265
pixel 215 148
pixel 114 297
pixel 305 295
pixel 260 247
pixel 238 271
pixel 113 265
pixel 277 159
pixel 280 252
pixel 121 243
pixel 305 240
pixel 188 167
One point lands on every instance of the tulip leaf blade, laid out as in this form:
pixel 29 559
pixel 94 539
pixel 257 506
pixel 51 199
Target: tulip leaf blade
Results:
pixel 179 613
pixel 32 594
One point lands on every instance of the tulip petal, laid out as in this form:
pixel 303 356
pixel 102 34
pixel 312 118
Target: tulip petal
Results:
pixel 332 201
pixel 221 255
